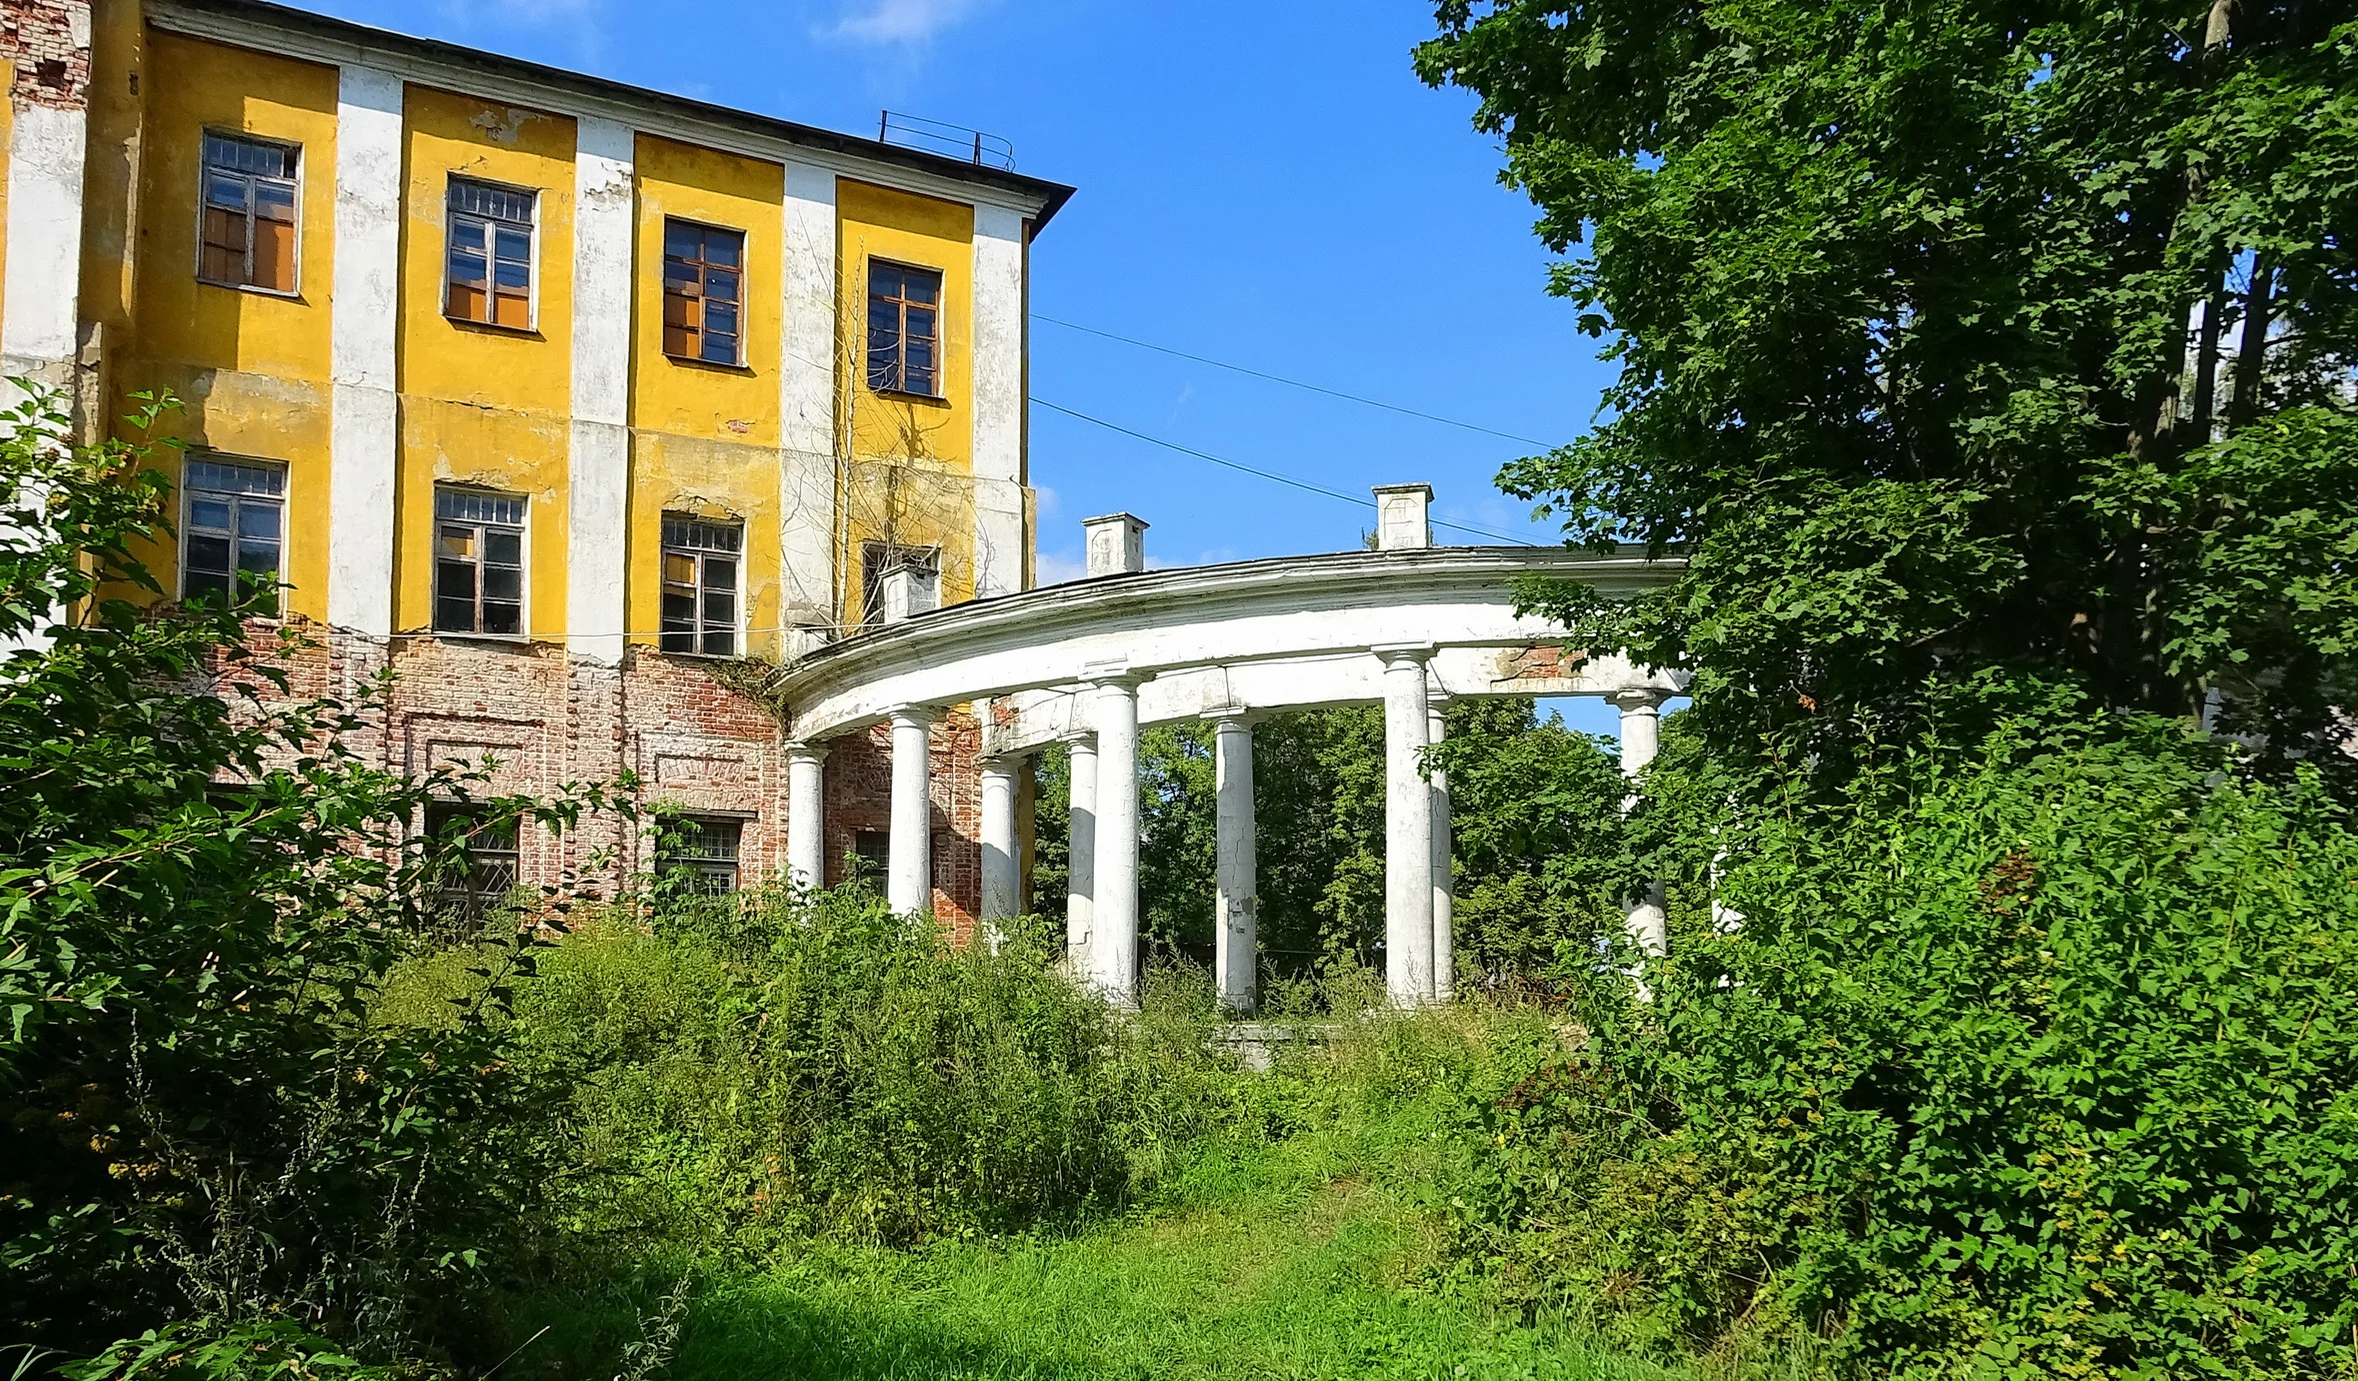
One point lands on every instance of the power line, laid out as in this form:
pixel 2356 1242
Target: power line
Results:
pixel 1297 383
pixel 1304 485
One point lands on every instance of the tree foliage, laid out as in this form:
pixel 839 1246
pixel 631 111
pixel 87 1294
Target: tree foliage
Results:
pixel 2034 1059
pixel 201 880
pixel 1952 336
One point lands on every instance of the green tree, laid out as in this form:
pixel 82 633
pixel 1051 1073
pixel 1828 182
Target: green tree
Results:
pixel 200 883
pixel 1952 336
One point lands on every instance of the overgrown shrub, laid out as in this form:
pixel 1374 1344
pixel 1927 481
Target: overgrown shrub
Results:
pixel 200 883
pixel 747 1070
pixel 2039 1063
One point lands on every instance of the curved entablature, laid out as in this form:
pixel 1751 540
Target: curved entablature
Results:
pixel 1277 634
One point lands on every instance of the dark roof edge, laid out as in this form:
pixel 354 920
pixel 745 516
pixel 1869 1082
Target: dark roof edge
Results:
pixel 265 14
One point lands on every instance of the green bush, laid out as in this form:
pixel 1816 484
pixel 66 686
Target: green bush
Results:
pixel 748 1070
pixel 2038 1065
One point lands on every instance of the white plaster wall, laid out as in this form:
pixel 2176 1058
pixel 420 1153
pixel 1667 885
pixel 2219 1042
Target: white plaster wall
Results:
pixel 999 323
pixel 363 415
pixel 807 386
pixel 597 558
pixel 43 275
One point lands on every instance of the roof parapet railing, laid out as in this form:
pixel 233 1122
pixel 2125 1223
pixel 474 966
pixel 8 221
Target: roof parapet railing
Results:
pixel 941 137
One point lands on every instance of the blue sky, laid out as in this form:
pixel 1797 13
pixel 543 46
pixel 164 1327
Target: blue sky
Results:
pixel 1266 184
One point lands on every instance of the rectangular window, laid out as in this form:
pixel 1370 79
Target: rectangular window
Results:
pixel 490 269
pixel 700 564
pixel 478 562
pixel 904 329
pixel 703 269
pixel 876 558
pixel 248 240
pixel 484 869
pixel 704 849
pixel 871 855
pixel 232 517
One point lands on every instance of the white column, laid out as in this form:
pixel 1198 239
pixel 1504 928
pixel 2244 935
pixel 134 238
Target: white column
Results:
pixel 1081 854
pixel 1002 883
pixel 909 865
pixel 1444 882
pixel 363 297
pixel 1113 940
pixel 1641 735
pixel 605 215
pixel 1236 906
pixel 998 393
pixel 813 351
pixel 806 814
pixel 1408 830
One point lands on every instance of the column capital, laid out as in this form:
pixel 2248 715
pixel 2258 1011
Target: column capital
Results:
pixel 1234 718
pixel 801 751
pixel 1079 736
pixel 1001 762
pixel 1099 676
pixel 1398 654
pixel 1637 698
pixel 925 716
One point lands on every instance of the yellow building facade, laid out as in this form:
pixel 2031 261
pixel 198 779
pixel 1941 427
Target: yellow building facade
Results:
pixel 541 390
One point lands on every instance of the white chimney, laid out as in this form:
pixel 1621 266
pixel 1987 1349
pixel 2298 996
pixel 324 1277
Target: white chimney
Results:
pixel 1400 516
pixel 910 589
pixel 1116 543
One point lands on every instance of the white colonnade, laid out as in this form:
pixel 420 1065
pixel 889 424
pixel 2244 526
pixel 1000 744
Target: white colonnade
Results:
pixel 1408 625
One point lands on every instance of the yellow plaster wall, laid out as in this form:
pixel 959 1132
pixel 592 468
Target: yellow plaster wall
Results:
pixel 705 437
pixel 251 369
pixel 481 404
pixel 909 455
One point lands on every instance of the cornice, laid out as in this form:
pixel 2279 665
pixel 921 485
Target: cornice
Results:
pixel 298 33
pixel 1337 580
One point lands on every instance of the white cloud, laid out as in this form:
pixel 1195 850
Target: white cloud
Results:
pixel 904 23
pixel 1056 568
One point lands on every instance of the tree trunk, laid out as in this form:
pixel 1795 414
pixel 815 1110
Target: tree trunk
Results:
pixel 2252 352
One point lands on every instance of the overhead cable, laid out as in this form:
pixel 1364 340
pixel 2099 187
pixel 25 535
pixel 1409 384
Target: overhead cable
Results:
pixel 1271 475
pixel 1297 383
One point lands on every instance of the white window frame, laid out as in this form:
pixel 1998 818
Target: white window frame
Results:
pixel 523 529
pixel 237 500
pixel 204 171
pixel 490 261
pixel 663 582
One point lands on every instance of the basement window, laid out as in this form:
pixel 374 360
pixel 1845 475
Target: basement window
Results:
pixel 702 851
pixel 700 585
pixel 490 263
pixel 231 528
pixel 904 329
pixel 703 299
pixel 871 855
pixel 478 563
pixel 482 869
pixel 248 235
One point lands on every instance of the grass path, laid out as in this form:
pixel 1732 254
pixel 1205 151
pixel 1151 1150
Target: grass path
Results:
pixel 1292 1265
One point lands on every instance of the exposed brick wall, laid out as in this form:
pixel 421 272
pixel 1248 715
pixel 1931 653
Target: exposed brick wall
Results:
pixel 859 797
pixel 39 37
pixel 541 720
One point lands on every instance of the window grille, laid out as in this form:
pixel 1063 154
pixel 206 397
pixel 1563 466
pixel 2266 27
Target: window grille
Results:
pixel 232 521
pixel 703 849
pixel 484 867
pixel 703 271
pixel 700 585
pixel 248 239
pixel 490 264
pixel 478 563
pixel 904 329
